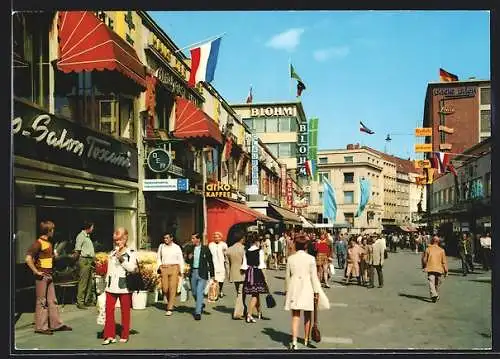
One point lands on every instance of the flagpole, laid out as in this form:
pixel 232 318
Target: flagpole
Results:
pixel 290 77
pixel 200 42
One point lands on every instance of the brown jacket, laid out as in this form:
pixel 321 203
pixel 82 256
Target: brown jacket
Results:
pixel 434 259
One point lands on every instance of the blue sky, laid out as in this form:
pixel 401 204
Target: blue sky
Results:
pixel 370 66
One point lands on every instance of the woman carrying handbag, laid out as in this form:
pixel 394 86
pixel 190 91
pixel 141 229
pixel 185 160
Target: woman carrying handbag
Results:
pixel 302 286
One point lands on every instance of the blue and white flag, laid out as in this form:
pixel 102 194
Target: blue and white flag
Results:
pixel 329 203
pixel 365 190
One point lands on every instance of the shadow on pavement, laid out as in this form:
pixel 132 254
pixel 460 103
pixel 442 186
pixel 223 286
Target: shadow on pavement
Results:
pixel 277 336
pixel 279 277
pixel 419 297
pixel 481 280
pixel 279 292
pixel 419 284
pixel 223 309
pixel 118 330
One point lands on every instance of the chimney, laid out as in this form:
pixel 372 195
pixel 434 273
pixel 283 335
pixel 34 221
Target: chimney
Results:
pixel 356 147
pixel 350 146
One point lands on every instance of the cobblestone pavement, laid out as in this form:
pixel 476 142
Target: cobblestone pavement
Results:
pixel 397 316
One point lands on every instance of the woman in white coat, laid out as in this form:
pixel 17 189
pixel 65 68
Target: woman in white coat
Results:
pixel 303 288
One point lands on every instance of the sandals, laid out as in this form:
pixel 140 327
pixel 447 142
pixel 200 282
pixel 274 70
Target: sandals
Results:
pixel 292 346
pixel 108 341
pixel 250 319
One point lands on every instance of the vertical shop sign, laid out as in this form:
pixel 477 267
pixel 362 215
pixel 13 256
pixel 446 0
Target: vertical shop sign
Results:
pixel 283 181
pixel 302 149
pixel 255 165
pixel 289 192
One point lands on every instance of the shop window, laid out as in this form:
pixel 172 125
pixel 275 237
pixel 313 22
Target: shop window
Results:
pixel 272 125
pixel 30 57
pixel 348 177
pixel 485 96
pixel 348 159
pixel 485 120
pixel 348 197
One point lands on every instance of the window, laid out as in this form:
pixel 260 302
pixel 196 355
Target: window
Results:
pixel 348 159
pixel 487 181
pixel 349 218
pixel 248 122
pixel 259 125
pixel 273 147
pixel 348 197
pixel 323 160
pixel 285 124
pixel 485 120
pixel 286 149
pixel 30 56
pixel 272 125
pixel 484 138
pixel 348 177
pixel 445 196
pixel 322 175
pixel 485 96
pixel 321 196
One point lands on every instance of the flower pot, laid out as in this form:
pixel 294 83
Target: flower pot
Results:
pixel 139 299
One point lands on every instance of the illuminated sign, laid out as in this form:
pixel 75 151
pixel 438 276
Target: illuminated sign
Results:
pixel 302 149
pixel 218 190
pixel 289 192
pixel 255 161
pixel 273 111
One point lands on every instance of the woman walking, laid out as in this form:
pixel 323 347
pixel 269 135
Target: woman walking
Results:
pixel 120 261
pixel 255 282
pixel 302 288
pixel 322 254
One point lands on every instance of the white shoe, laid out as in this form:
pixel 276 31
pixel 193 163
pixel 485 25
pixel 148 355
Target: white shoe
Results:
pixel 168 313
pixel 108 341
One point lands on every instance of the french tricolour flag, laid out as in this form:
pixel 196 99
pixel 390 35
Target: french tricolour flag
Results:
pixel 203 62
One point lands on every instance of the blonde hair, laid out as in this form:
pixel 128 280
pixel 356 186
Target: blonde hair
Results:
pixel 119 232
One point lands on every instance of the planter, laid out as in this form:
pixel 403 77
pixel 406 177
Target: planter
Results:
pixel 139 299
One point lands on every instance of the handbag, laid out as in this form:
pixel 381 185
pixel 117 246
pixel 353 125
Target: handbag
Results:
pixel 134 280
pixel 270 302
pixel 316 334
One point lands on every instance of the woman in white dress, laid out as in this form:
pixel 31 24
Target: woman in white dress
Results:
pixel 302 288
pixel 218 248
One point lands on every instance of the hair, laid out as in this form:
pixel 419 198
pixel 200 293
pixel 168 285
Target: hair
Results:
pixel 46 227
pixel 87 224
pixel 300 246
pixel 169 234
pixel 118 231
pixel 196 234
pixel 239 235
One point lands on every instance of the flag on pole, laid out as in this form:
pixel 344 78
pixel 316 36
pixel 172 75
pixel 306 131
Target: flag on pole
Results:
pixel 443 164
pixel 365 129
pixel 329 203
pixel 203 62
pixel 365 189
pixel 250 96
pixel 446 76
pixel 226 152
pixel 300 84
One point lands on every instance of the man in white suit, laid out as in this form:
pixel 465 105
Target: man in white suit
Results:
pixel 377 261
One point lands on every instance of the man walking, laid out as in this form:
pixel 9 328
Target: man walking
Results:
pixel 235 255
pixel 377 261
pixel 39 259
pixel 201 264
pixel 341 251
pixel 485 242
pixel 84 252
pixel 435 264
pixel 170 262
pixel 465 253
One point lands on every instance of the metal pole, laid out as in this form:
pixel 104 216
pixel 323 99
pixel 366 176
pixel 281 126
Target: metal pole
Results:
pixel 205 213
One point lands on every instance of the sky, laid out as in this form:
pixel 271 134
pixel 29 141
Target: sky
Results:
pixel 369 66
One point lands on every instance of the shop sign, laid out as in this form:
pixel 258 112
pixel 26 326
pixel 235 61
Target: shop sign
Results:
pixel 159 160
pixel 270 111
pixel 255 160
pixel 176 170
pixel 169 80
pixel 289 192
pixel 44 137
pixel 423 131
pixel 302 149
pixel 218 190
pixel 422 164
pixel 447 110
pixel 423 147
pixel 170 184
pixel 455 91
pixel 283 180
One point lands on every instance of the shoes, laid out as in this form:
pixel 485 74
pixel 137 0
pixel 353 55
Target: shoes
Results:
pixel 250 319
pixel 81 306
pixel 260 316
pixel 109 341
pixel 381 286
pixel 326 285
pixel 197 317
pixel 292 346
pixel 63 328
pixel 434 299
pixel 221 295
pixel 370 286
pixel 45 332
pixel 168 313
pixel 122 340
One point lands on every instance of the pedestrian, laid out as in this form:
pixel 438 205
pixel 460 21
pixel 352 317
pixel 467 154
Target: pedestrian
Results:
pixel 363 264
pixel 322 254
pixel 218 248
pixel 202 266
pixel 352 262
pixel 435 264
pixel 282 244
pixel 369 261
pixel 121 260
pixel 302 289
pixel 170 264
pixel 235 255
pixel 85 254
pixel 378 261
pixel 341 251
pixel 465 253
pixel 267 250
pixel 255 282
pixel 39 258
pixel 485 242
pixel 275 247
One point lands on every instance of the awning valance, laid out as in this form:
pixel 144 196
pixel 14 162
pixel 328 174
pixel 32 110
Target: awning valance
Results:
pixel 286 216
pixel 193 123
pixel 87 44
pixel 306 223
pixel 223 214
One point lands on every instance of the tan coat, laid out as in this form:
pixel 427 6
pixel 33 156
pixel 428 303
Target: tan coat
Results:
pixel 301 282
pixel 434 259
pixel 235 255
pixel 378 253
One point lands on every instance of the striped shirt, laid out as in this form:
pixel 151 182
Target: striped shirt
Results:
pixel 42 252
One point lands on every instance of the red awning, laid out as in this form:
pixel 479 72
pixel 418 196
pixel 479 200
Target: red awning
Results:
pixel 87 44
pixel 223 214
pixel 191 122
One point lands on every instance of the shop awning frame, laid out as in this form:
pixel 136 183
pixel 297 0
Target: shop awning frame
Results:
pixel 286 216
pixel 88 44
pixel 306 223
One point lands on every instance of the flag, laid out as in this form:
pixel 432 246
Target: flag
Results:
pixel 443 163
pixel 203 62
pixel 226 152
pixel 446 76
pixel 300 84
pixel 363 128
pixel 329 203
pixel 365 190
pixel 452 169
pixel 429 175
pixel 250 96
pixel 309 168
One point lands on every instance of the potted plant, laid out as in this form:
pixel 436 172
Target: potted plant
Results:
pixel 147 268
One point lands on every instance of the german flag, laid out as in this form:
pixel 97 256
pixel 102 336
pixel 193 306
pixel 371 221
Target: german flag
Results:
pixel 446 76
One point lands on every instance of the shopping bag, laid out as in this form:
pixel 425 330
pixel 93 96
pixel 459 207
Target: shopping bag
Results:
pixel 101 309
pixel 179 286
pixel 184 290
pixel 316 334
pixel 207 287
pixel 213 291
pixel 270 302
pixel 332 269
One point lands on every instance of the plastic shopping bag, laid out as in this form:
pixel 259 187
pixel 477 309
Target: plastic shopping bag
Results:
pixel 101 308
pixel 185 290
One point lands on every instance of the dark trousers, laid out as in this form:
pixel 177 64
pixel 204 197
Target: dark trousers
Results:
pixel 85 294
pixel 380 276
pixel 467 265
pixel 341 260
pixel 486 258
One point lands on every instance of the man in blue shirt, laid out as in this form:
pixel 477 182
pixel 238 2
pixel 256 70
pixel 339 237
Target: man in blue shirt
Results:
pixel 341 251
pixel 201 266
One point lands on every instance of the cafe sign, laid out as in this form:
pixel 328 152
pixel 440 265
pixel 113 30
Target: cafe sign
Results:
pixel 218 190
pixel 44 137
pixel 302 149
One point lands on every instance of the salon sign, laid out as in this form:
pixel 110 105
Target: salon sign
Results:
pixel 42 136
